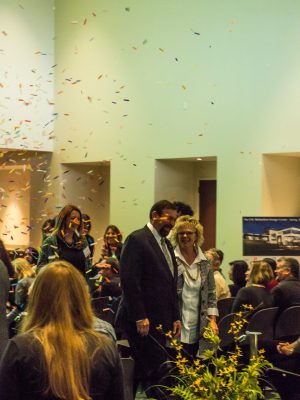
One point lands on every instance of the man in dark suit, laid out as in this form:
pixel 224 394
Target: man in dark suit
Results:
pixel 149 279
pixel 287 292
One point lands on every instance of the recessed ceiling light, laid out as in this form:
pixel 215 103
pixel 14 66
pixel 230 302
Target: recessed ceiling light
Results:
pixel 199 159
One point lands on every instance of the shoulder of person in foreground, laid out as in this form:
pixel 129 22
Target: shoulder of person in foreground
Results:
pixel 99 325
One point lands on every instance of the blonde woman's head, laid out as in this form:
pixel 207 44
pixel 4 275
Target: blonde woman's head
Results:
pixel 59 315
pixel 60 295
pixel 189 227
pixel 23 268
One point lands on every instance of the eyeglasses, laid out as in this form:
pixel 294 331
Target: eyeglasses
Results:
pixel 186 233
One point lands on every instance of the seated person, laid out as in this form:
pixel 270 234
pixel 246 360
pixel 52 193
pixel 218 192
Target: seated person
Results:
pixel 58 355
pixel 112 245
pixel 108 280
pixel 238 269
pixel 32 256
pixel 288 357
pixel 86 229
pixel 255 293
pixel 222 289
pixel 25 277
pixel 287 292
pixel 274 282
pixel 289 348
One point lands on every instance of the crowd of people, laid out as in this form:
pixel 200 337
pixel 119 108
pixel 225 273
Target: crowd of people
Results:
pixel 163 280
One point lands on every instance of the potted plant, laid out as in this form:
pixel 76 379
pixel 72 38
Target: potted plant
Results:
pixel 217 376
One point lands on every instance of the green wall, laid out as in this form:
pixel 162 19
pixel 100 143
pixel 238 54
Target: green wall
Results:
pixel 203 78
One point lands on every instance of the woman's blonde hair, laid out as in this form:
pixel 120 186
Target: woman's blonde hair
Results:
pixel 260 273
pixel 22 268
pixel 60 317
pixel 188 222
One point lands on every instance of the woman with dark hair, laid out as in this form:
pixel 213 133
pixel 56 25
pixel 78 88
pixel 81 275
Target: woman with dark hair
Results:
pixel 32 256
pixel 112 243
pixel 67 242
pixel 58 355
pixel 255 293
pixel 6 272
pixel 238 269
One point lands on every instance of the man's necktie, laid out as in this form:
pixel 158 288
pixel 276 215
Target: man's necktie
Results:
pixel 167 254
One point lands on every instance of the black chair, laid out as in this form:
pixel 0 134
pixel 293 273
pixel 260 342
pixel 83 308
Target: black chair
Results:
pixel 128 376
pixel 263 321
pixel 224 307
pixel 114 307
pixel 286 383
pixel 102 308
pixel 227 339
pixel 287 326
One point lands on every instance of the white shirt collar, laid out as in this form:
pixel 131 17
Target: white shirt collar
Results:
pixel 200 256
pixel 154 232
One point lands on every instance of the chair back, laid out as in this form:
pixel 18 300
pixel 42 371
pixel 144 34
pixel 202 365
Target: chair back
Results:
pixel 224 326
pixel 128 376
pixel 286 383
pixel 224 307
pixel 287 326
pixel 263 321
pixel 102 308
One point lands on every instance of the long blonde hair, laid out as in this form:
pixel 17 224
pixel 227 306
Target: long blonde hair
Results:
pixel 60 317
pixel 23 268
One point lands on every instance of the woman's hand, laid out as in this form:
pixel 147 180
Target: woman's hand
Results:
pixel 214 326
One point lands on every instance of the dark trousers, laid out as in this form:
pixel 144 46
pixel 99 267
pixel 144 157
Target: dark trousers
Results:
pixel 149 355
pixel 190 350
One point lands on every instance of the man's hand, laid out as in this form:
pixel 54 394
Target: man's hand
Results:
pixel 285 348
pixel 176 329
pixel 142 327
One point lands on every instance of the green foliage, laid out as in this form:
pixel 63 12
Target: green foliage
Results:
pixel 218 377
